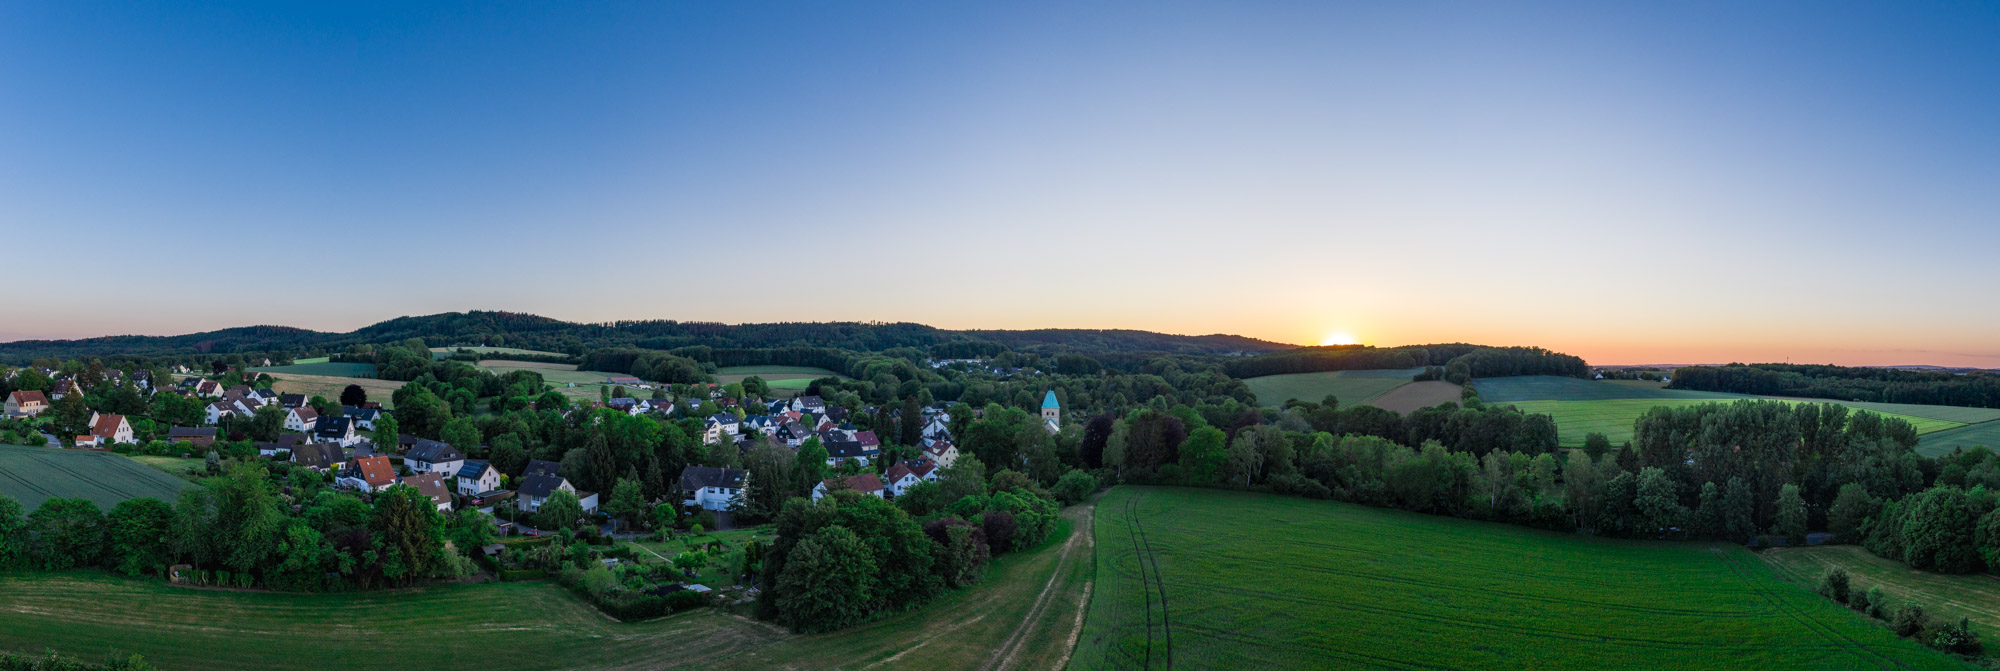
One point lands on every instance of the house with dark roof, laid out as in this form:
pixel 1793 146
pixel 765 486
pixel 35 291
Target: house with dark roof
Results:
pixel 866 483
pixel 286 442
pixel 793 433
pixel 719 426
pixel 199 436
pixel 478 477
pixel 431 456
pixel 541 467
pixel 538 487
pixel 331 429
pixel 316 456
pixel 432 485
pixel 712 488
pixel 363 417
pixel 292 400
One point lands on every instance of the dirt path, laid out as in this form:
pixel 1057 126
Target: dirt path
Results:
pixel 1080 538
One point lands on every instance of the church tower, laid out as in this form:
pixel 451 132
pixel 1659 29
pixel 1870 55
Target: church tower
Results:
pixel 1051 411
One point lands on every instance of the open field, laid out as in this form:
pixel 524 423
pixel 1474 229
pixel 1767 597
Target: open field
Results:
pixel 781 378
pixel 324 368
pixel 1021 617
pixel 1945 597
pixel 1418 395
pixel 1943 442
pixel 443 352
pixel 174 465
pixel 33 474
pixel 1555 388
pixel 1614 417
pixel 321 385
pixel 559 374
pixel 1193 579
pixel 1352 387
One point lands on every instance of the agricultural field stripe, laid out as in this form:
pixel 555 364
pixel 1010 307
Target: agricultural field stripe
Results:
pixel 1166 615
pixel 1826 632
pixel 1144 588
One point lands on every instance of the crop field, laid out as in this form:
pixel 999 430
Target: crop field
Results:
pixel 174 465
pixel 781 378
pixel 1943 442
pixel 1556 388
pixel 330 387
pixel 34 474
pixel 1945 597
pixel 1022 616
pixel 1352 387
pixel 323 368
pixel 1614 417
pixel 1418 395
pixel 553 373
pixel 1199 579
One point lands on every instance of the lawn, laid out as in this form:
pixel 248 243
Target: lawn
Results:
pixel 446 352
pixel 1943 442
pixel 788 378
pixel 33 474
pixel 1022 616
pixel 1614 417
pixel 1194 579
pixel 174 465
pixel 323 368
pixel 1352 387
pixel 379 391
pixel 718 572
pixel 1945 597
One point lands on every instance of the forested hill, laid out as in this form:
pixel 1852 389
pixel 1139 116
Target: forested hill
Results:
pixel 542 333
pixel 1460 361
pixel 1978 389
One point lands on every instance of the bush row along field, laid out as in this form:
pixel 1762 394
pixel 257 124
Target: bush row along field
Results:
pixel 1614 417
pixel 1945 597
pixel 1029 603
pixel 1352 387
pixel 1197 579
pixel 324 368
pixel 34 474
pixel 379 391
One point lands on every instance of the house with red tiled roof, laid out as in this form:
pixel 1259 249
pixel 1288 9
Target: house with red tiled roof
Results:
pixel 908 473
pixel 369 474
pixel 109 428
pixel 26 403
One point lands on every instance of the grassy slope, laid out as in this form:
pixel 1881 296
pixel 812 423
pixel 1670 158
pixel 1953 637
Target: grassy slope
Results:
pixel 33 474
pixel 174 465
pixel 539 626
pixel 1945 597
pixel 1352 387
pixel 379 391
pixel 1943 442
pixel 1614 417
pixel 323 368
pixel 1241 580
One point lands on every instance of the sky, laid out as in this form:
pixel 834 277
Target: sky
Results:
pixel 1629 182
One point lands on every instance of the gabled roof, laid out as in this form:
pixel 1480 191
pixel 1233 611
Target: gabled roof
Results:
pixel 431 484
pixel 867 439
pixel 376 470
pixel 191 432
pixel 306 413
pixel 473 470
pixel 697 477
pixel 332 427
pixel 28 397
pixel 541 486
pixel 848 448
pixel 432 451
pixel 865 482
pixel 292 400
pixel 106 426
pixel 542 467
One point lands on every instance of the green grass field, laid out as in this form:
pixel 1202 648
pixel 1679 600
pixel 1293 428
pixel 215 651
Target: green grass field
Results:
pixel 1352 387
pixel 330 387
pixel 446 352
pixel 174 465
pixel 1614 417
pixel 323 368
pixel 1946 597
pixel 1943 442
pixel 1197 579
pixel 33 474
pixel 1554 388
pixel 781 378
pixel 1022 616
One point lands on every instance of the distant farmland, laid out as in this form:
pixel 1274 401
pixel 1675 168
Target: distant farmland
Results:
pixel 1207 579
pixel 330 387
pixel 323 368
pixel 446 352
pixel 1418 395
pixel 33 474
pixel 1583 406
pixel 782 378
pixel 1352 387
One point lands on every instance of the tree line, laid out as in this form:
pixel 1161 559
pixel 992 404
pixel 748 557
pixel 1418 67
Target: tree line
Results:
pixel 1976 389
pixel 1475 360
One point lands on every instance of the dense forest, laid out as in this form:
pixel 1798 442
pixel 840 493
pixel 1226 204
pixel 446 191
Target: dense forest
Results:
pixel 1460 361
pixel 507 329
pixel 1883 385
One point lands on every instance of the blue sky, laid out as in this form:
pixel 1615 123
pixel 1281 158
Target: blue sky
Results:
pixel 1657 183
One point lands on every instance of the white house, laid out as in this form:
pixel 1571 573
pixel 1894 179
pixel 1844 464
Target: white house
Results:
pixel 712 488
pixel 368 474
pixel 335 430
pixel 109 428
pixel 536 488
pixel 430 456
pixel 478 477
pixel 720 425
pixel 432 485
pixel 301 419
pixel 907 474
pixel 219 410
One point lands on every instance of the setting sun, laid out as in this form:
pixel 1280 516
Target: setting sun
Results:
pixel 1338 338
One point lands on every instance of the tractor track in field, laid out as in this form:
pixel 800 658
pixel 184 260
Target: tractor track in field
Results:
pixel 1825 631
pixel 1145 589
pixel 1159 582
pixel 1377 661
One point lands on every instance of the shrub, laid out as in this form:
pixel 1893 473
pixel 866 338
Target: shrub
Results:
pixel 1833 584
pixel 1074 487
pixel 1878 604
pixel 1958 638
pixel 1910 620
pixel 1860 602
